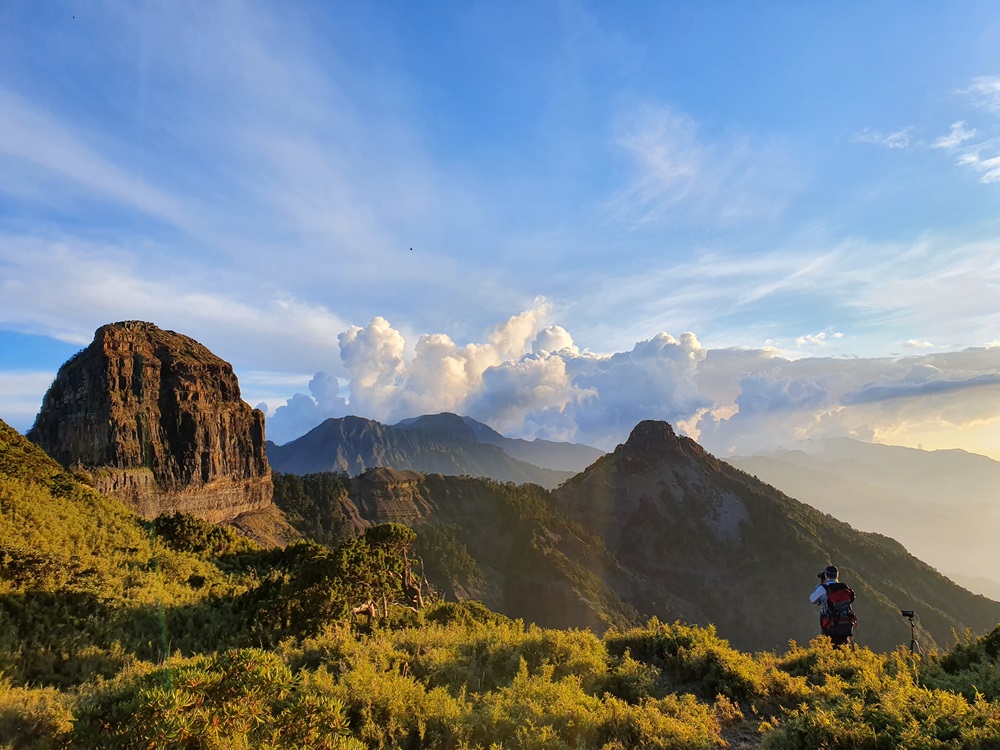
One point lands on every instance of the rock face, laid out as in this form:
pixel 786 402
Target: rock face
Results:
pixel 157 420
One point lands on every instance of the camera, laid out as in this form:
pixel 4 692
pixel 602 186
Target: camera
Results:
pixel 908 613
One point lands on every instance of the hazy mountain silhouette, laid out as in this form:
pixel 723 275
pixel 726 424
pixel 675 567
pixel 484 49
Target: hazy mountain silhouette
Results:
pixel 940 504
pixel 440 444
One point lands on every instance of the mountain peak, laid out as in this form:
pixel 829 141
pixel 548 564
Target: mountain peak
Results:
pixel 652 439
pixel 446 424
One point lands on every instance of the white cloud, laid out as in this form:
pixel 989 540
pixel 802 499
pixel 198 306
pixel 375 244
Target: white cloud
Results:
pixel 498 380
pixel 955 138
pixel 982 155
pixel 67 289
pixel 916 344
pixel 898 139
pixel 679 176
pixel 59 158
pixel 554 339
pixel 984 92
pixel 818 339
pixel 732 400
pixel 373 357
pixel 20 396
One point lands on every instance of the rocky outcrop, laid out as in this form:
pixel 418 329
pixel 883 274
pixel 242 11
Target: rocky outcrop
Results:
pixel 154 418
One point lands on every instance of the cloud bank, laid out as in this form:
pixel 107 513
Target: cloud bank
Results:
pixel 529 379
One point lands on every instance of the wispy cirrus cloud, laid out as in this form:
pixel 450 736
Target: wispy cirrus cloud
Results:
pixel 984 93
pixel 898 139
pixel 59 160
pixel 67 289
pixel 958 135
pixel 969 153
pixel 678 175
pixel 979 153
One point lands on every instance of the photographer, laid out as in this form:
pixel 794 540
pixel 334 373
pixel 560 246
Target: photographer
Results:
pixel 836 618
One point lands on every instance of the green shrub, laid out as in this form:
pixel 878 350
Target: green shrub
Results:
pixel 237 699
pixel 696 658
pixel 186 533
pixel 34 718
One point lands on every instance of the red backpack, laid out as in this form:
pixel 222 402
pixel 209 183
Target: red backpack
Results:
pixel 837 617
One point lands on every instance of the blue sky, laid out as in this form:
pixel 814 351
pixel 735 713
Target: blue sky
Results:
pixel 517 210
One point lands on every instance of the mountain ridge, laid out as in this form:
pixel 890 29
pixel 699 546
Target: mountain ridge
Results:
pixel 442 443
pixel 660 527
pixel 940 504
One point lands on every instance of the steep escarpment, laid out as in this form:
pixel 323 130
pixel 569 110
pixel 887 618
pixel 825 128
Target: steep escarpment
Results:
pixel 155 419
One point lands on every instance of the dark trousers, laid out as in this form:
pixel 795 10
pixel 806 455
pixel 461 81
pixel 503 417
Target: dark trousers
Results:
pixel 840 640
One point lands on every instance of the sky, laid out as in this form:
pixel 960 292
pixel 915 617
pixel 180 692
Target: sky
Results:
pixel 766 223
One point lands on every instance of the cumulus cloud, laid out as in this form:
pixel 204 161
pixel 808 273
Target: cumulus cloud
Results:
pixel 818 339
pixel 510 380
pixel 554 339
pixel 528 378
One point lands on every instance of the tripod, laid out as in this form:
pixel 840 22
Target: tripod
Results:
pixel 912 616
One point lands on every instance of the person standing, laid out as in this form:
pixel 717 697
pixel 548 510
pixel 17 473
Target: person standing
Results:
pixel 836 615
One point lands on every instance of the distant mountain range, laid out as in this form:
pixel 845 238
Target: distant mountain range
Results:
pixel 661 528
pixel 657 528
pixel 943 505
pixel 434 444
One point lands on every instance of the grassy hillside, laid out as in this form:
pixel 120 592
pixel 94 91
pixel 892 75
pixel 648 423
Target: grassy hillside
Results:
pixel 176 634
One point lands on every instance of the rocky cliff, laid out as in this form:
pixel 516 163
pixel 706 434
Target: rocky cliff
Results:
pixel 154 418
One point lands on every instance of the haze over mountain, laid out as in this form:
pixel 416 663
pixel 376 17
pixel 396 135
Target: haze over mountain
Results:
pixel 943 505
pixel 550 454
pixel 441 443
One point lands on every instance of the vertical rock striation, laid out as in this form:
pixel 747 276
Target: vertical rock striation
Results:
pixel 157 420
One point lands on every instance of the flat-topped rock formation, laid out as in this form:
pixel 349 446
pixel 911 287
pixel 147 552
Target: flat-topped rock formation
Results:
pixel 156 419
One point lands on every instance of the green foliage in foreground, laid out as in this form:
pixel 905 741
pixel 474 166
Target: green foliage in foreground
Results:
pixel 120 634
pixel 458 676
